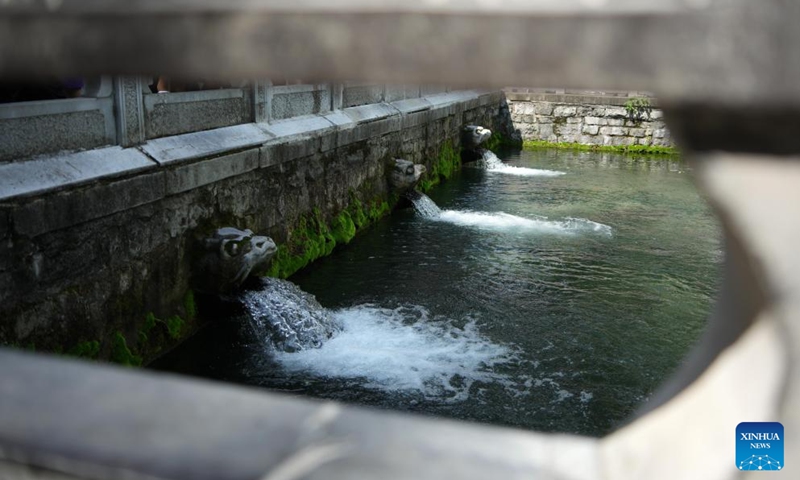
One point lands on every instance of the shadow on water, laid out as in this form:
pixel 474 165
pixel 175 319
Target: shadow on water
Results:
pixel 552 302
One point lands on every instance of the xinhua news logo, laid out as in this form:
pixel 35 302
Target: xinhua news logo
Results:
pixel 759 446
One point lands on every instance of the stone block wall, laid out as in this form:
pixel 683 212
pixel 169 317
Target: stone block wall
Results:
pixel 586 119
pixel 95 245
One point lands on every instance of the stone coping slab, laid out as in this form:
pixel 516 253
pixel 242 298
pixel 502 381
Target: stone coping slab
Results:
pixel 304 125
pixel 412 105
pixel 33 177
pixel 371 112
pixel 196 145
pixel 573 98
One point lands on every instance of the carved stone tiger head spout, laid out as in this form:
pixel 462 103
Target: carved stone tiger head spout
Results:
pixel 405 175
pixel 472 136
pixel 227 257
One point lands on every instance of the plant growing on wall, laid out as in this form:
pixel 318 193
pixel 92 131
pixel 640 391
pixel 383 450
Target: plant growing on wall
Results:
pixel 638 108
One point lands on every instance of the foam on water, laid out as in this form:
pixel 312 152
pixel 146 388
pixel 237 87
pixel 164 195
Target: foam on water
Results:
pixel 494 164
pixel 406 350
pixel 505 221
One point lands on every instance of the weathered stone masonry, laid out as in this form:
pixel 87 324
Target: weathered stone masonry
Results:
pixel 589 119
pixel 95 246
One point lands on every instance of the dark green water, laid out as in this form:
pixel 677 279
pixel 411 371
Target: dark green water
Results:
pixel 563 313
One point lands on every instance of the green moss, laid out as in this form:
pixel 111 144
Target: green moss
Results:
pixel 313 238
pixel 497 141
pixel 356 210
pixel 90 349
pixel 446 163
pixel 175 326
pixel 310 239
pixel 623 149
pixel 189 307
pixel 449 161
pixel 426 184
pixel 149 322
pixel 120 353
pixel 343 228
pixel 378 210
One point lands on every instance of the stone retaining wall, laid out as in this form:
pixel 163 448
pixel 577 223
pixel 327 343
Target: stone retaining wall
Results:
pixel 95 246
pixel 585 119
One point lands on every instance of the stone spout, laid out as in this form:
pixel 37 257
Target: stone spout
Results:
pixel 473 136
pixel 228 257
pixel 405 175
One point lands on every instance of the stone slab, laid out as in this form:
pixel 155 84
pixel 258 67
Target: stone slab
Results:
pixel 370 113
pixel 412 105
pixel 65 209
pixel 205 144
pixel 299 103
pixel 296 126
pixel 187 177
pixel 571 99
pixel 452 97
pixel 364 131
pixel 294 147
pixel 415 119
pixel 186 112
pixel 339 119
pixel 43 175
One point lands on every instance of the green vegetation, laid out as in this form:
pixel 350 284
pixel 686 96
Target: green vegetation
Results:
pixel 343 228
pixel 356 211
pixel 310 239
pixel 175 326
pixel 120 353
pixel 149 322
pixel 189 306
pixel 90 349
pixel 497 140
pixel 624 149
pixel 638 109
pixel 314 238
pixel 443 167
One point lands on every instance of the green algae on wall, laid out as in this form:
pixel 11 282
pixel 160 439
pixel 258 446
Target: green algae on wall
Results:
pixel 498 140
pixel 88 349
pixel 624 149
pixel 446 163
pixel 314 238
pixel 343 228
pixel 121 354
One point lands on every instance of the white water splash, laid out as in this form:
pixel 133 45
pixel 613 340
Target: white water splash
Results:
pixel 494 164
pixel 406 350
pixel 425 206
pixel 504 221
pixel 285 318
